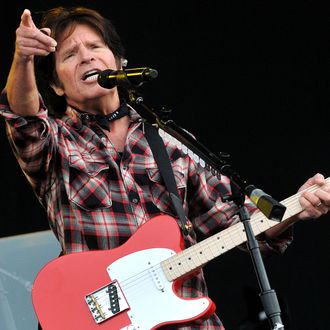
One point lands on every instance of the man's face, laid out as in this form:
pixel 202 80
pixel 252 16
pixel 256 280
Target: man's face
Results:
pixel 81 54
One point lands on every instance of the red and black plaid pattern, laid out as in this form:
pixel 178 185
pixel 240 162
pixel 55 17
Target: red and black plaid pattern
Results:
pixel 96 198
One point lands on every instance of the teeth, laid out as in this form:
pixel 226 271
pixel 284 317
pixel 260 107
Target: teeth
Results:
pixel 91 78
pixel 90 74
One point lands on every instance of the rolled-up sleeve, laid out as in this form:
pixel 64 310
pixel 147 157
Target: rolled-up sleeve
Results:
pixel 33 141
pixel 211 214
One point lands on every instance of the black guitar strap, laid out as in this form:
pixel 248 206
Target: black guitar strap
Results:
pixel 162 159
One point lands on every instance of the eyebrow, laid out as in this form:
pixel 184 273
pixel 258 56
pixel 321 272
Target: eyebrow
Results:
pixel 75 46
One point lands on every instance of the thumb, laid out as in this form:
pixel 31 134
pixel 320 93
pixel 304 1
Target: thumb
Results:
pixel 26 19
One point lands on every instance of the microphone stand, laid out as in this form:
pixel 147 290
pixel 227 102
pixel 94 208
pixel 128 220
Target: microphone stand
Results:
pixel 267 295
pixel 240 188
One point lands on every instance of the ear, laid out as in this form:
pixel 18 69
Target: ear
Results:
pixel 58 90
pixel 123 62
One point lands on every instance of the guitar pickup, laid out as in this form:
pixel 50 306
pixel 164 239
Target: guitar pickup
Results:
pixel 106 302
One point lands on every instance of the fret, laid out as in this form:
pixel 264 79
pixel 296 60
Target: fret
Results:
pixel 201 253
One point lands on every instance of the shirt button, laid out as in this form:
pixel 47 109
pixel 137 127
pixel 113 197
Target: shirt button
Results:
pixel 133 197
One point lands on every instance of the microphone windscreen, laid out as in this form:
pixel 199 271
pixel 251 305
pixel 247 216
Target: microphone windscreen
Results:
pixel 107 78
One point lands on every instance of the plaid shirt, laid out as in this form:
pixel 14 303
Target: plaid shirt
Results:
pixel 96 198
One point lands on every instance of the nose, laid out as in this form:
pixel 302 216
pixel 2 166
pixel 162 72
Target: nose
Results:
pixel 86 56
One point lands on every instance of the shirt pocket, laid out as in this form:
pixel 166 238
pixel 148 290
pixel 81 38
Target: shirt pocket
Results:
pixel 88 182
pixel 159 192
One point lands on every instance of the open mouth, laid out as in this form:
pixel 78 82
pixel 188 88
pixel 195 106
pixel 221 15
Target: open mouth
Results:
pixel 90 76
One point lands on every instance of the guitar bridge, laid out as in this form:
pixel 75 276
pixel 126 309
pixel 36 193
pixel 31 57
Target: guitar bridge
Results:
pixel 106 302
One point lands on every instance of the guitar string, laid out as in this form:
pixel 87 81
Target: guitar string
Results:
pixel 234 232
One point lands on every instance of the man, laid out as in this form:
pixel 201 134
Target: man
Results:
pixel 99 184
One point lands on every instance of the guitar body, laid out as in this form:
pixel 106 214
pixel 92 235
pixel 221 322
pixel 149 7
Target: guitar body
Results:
pixel 119 289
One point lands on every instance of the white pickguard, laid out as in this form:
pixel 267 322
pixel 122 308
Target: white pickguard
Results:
pixel 149 294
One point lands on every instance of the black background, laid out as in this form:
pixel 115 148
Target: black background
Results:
pixel 245 77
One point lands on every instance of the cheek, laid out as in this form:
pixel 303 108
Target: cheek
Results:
pixel 65 76
pixel 110 61
pixel 65 69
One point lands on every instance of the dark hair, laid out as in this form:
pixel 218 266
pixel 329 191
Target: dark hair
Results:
pixel 58 19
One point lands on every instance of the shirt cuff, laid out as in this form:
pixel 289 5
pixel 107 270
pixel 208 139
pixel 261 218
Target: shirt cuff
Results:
pixel 16 120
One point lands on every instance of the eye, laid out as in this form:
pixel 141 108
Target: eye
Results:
pixel 95 46
pixel 68 56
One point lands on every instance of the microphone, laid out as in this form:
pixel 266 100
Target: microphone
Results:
pixel 136 76
pixel 271 208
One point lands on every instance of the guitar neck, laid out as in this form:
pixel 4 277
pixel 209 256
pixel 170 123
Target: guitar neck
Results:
pixel 196 256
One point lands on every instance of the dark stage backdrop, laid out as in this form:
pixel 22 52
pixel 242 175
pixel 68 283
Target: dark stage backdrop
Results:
pixel 246 77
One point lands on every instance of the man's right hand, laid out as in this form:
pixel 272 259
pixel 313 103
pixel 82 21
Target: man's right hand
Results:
pixel 31 41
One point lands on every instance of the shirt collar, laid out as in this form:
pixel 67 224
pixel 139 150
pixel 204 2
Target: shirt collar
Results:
pixel 77 119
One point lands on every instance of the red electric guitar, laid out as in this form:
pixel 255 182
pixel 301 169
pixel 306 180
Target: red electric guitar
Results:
pixel 134 285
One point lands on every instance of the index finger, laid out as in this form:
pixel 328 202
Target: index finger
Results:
pixel 26 19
